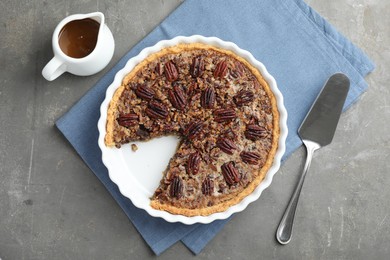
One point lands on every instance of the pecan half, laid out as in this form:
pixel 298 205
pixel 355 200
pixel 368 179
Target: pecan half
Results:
pixel 127 120
pixel 193 163
pixel 159 69
pixel 224 114
pixel 243 97
pixel 176 188
pixel 197 67
pixel 254 132
pixel 156 110
pixel 144 92
pixel 230 173
pixel 250 157
pixel 207 186
pixel 207 99
pixel 221 69
pixel 177 97
pixel 170 71
pixel 193 129
pixel 238 70
pixel 226 145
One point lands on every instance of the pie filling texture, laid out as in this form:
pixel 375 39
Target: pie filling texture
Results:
pixel 224 112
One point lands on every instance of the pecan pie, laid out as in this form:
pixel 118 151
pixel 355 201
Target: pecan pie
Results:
pixel 224 112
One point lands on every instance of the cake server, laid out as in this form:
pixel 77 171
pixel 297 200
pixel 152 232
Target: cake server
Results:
pixel 316 131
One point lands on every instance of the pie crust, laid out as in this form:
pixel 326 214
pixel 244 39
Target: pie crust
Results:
pixel 223 110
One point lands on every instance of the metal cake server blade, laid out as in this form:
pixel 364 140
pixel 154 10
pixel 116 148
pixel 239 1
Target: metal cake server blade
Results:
pixel 316 131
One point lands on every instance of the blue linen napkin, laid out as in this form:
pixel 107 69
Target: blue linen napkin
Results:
pixel 298 47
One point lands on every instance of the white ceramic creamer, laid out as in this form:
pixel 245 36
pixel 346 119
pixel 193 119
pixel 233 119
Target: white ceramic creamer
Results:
pixel 68 46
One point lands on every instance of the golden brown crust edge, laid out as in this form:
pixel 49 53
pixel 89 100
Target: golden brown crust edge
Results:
pixel 111 115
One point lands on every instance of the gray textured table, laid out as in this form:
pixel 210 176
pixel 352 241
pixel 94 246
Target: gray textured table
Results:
pixel 52 207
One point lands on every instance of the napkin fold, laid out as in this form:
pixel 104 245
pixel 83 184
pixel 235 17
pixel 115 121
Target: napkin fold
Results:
pixel 298 47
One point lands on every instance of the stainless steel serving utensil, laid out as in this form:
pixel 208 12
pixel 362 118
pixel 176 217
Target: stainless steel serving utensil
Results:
pixel 317 130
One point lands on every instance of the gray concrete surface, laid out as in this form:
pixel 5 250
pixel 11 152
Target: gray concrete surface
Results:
pixel 53 207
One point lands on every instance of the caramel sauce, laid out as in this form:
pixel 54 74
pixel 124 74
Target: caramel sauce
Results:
pixel 78 38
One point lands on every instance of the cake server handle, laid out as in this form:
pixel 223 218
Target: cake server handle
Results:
pixel 284 231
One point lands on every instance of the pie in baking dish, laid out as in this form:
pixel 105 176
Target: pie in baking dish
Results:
pixel 224 112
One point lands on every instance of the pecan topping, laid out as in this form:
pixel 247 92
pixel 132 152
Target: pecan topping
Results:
pixel 143 132
pixel 193 163
pixel 159 69
pixel 224 114
pixel 207 186
pixel 243 97
pixel 127 120
pixel 230 173
pixel 250 157
pixel 238 70
pixel 193 129
pixel 144 92
pixel 156 110
pixel 230 133
pixel 221 69
pixel 208 98
pixel 192 89
pixel 254 132
pixel 170 71
pixel 177 97
pixel 226 145
pixel 176 188
pixel 197 67
pixel 213 167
